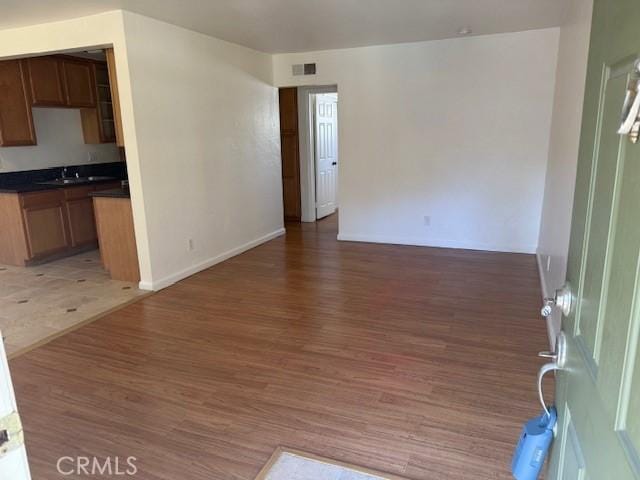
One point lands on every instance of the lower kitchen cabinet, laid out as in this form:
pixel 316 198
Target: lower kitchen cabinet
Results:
pixel 44 223
pixel 82 224
pixel 47 224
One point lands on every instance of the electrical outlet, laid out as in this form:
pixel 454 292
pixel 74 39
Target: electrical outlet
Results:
pixel 92 156
pixel 190 245
pixel 427 221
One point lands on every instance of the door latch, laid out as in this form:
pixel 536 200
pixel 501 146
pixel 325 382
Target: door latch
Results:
pixel 559 355
pixel 11 433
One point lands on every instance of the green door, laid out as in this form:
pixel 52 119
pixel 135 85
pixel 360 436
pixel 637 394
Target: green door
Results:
pixel 598 394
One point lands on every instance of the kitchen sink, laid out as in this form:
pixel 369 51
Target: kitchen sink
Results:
pixel 99 178
pixel 65 181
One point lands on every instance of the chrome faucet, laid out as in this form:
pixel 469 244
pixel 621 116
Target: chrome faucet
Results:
pixel 64 172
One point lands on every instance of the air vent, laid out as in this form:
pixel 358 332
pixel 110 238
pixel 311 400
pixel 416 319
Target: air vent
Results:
pixel 303 69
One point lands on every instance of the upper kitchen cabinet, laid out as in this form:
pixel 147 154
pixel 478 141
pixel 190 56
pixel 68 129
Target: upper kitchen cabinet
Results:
pixel 59 81
pixel 56 81
pixel 46 81
pixel 98 124
pixel 115 96
pixel 79 82
pixel 16 120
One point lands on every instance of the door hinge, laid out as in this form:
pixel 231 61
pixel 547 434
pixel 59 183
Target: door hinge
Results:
pixel 11 433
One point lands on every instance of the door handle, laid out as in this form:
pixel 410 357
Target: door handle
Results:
pixel 558 362
pixel 550 355
pixel 559 355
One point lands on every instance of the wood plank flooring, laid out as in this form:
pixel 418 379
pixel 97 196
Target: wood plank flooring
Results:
pixel 415 361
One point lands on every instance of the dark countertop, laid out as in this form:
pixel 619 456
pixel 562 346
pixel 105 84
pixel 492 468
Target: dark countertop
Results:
pixel 37 187
pixel 24 181
pixel 30 187
pixel 122 192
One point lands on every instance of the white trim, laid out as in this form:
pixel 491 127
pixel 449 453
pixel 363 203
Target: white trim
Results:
pixel 187 272
pixel 542 272
pixel 440 243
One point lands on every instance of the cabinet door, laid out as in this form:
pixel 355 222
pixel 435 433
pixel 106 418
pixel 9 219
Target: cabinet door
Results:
pixel 16 120
pixel 98 123
pixel 45 227
pixel 45 80
pixel 79 83
pixel 115 97
pixel 82 223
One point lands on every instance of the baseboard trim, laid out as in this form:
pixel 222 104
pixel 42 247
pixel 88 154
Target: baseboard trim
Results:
pixel 187 272
pixel 545 294
pixel 438 243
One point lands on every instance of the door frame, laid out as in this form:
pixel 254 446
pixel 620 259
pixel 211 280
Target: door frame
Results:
pixel 306 131
pixel 15 462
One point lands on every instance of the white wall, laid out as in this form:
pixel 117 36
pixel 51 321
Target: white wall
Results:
pixel 457 130
pixel 60 143
pixel 207 128
pixel 563 151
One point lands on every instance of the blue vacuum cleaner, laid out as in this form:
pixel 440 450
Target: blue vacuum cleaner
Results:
pixel 537 435
pixel 533 446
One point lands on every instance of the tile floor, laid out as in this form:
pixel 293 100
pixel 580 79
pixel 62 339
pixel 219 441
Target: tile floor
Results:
pixel 42 301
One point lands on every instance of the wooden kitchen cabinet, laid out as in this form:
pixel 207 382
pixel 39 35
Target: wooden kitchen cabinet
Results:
pixel 80 217
pixel 81 220
pixel 38 225
pixel 45 231
pixel 46 81
pixel 115 97
pixel 118 250
pixel 79 83
pixel 44 223
pixel 98 124
pixel 16 119
pixel 59 81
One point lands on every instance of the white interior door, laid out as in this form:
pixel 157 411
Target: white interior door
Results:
pixel 13 455
pixel 326 146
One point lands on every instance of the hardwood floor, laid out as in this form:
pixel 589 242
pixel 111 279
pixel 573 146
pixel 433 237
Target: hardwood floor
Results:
pixel 419 362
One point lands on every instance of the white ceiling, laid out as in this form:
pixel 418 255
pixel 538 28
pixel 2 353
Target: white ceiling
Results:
pixel 305 25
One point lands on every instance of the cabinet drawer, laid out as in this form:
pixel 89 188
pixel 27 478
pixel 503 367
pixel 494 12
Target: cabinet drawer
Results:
pixel 41 199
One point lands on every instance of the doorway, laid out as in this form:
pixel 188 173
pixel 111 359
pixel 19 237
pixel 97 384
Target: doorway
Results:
pixel 310 152
pixel 325 149
pixel 67 245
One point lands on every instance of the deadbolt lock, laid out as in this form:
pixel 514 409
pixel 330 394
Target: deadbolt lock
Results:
pixel 562 299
